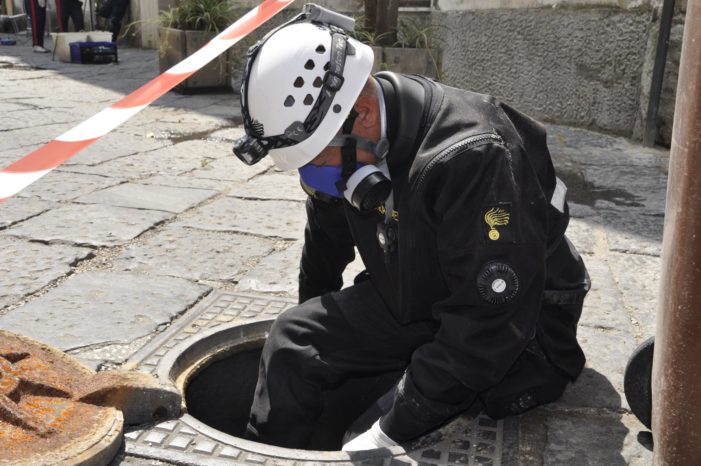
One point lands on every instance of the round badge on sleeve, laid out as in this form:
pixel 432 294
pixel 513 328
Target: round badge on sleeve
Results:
pixel 497 283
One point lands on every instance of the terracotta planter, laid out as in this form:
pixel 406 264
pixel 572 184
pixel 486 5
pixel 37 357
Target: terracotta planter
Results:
pixel 174 45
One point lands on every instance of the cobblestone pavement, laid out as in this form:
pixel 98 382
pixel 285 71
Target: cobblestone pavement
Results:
pixel 107 251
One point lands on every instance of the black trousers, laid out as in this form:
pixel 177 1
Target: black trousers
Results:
pixel 114 10
pixel 329 361
pixel 73 10
pixel 38 16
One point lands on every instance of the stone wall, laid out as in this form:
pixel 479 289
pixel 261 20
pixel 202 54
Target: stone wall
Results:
pixel 573 66
pixel 509 4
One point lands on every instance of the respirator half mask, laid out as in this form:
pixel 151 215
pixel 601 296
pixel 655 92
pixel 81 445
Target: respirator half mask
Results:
pixel 365 187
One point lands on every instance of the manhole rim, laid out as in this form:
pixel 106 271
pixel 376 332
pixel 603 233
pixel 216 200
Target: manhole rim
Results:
pixel 173 370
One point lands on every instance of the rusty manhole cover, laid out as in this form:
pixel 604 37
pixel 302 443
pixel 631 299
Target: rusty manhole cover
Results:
pixel 42 417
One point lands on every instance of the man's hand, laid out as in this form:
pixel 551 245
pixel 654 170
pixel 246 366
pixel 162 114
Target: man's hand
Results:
pixel 368 440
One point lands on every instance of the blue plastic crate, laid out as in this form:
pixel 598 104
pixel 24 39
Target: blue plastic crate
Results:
pixel 93 52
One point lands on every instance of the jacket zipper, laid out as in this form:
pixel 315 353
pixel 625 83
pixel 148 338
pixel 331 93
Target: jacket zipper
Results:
pixel 464 144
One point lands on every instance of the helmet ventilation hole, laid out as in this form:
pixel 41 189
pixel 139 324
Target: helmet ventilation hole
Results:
pixel 318 82
pixel 327 66
pixel 309 65
pixel 289 101
pixel 308 100
pixel 320 49
pixel 299 82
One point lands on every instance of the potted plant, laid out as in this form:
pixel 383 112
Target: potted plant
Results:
pixel 403 45
pixel 184 29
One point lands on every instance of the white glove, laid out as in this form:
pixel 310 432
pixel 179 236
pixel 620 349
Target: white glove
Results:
pixel 368 440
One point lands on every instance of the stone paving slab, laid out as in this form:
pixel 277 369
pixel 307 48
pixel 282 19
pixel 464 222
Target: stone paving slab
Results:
pixel 169 160
pixel 30 138
pixel 281 219
pixel 92 225
pixel 228 134
pixel 150 197
pixel 580 211
pixel 628 187
pixel 601 383
pixel 62 186
pixel 634 233
pixel 17 209
pixel 102 356
pixel 604 306
pixel 276 273
pixel 8 156
pixel 593 440
pixel 638 278
pixel 279 272
pixel 113 146
pixel 603 149
pixel 272 186
pixel 195 122
pixel 103 307
pixel 231 169
pixel 19 118
pixel 187 180
pixel 27 267
pixel 587 235
pixel 607 352
pixel 195 254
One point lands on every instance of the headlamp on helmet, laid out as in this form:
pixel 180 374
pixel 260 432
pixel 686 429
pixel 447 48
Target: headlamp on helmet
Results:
pixel 279 117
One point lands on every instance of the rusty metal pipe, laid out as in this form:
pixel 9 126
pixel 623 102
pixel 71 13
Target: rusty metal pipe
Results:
pixel 676 383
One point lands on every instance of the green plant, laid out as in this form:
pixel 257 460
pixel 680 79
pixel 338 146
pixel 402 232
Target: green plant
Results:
pixel 407 33
pixel 198 15
pixel 413 34
pixel 380 21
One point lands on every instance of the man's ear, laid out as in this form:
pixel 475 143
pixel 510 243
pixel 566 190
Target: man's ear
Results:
pixel 368 111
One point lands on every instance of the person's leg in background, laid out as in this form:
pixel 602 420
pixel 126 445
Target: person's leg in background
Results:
pixel 119 9
pixel 78 17
pixel 103 14
pixel 62 23
pixel 37 13
pixel 74 11
pixel 70 9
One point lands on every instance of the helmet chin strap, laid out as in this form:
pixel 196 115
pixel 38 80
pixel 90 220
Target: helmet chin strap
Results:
pixel 349 155
pixel 349 144
pixel 366 187
pixel 379 149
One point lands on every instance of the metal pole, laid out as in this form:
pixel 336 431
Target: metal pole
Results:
pixel 676 372
pixel 650 132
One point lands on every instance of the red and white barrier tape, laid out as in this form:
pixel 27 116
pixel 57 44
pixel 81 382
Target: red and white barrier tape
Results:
pixel 33 166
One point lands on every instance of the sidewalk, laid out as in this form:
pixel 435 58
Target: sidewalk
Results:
pixel 123 240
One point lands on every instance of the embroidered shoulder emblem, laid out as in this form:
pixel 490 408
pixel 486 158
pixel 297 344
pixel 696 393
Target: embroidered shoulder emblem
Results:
pixel 496 217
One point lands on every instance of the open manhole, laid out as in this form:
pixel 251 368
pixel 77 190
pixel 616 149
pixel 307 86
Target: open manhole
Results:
pixel 212 357
pixel 220 394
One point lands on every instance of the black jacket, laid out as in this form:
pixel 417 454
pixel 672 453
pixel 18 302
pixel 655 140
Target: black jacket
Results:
pixel 481 251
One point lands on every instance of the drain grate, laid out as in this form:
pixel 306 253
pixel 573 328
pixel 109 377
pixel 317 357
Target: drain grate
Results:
pixel 469 441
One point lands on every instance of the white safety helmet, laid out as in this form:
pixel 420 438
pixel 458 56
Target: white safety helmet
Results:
pixel 300 84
